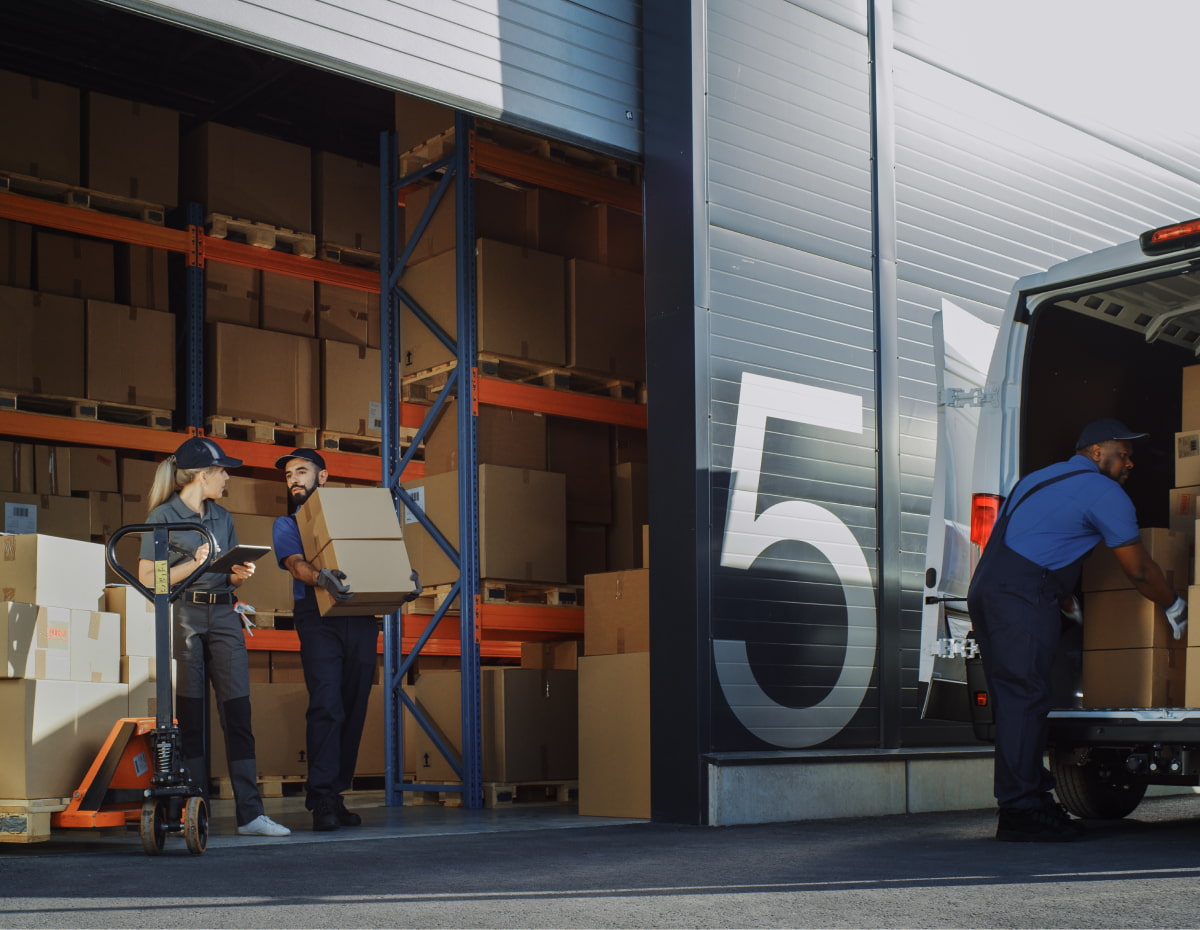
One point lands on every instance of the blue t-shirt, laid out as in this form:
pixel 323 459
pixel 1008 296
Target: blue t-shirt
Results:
pixel 285 540
pixel 1065 521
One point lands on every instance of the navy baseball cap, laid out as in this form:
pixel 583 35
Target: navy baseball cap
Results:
pixel 1103 431
pixel 311 455
pixel 202 452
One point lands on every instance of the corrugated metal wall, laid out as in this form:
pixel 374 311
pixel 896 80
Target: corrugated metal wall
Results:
pixel 570 68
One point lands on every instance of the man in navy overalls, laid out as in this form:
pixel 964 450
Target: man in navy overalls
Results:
pixel 1026 577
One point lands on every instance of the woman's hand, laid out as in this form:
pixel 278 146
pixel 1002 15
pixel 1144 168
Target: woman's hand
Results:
pixel 242 572
pixel 201 554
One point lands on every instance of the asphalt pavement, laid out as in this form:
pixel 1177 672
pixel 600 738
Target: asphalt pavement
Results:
pixel 544 866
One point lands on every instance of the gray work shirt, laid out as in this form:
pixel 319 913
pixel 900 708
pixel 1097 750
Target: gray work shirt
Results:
pixel 216 520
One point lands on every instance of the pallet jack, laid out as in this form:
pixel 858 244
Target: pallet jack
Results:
pixel 138 775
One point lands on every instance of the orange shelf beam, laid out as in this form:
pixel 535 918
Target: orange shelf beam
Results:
pixel 287 641
pixel 88 432
pixel 487 156
pixel 237 253
pixel 91 223
pixel 531 397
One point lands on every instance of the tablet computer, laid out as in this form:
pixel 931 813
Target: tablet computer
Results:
pixel 236 556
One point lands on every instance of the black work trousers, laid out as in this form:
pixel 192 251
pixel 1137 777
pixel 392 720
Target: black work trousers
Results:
pixel 338 657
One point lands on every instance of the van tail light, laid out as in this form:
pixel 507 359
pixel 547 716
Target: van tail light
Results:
pixel 985 508
pixel 1171 238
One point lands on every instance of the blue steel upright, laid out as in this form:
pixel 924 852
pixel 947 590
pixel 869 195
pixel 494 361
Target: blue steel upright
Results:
pixel 394 298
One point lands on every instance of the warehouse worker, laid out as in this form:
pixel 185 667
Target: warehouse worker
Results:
pixel 337 654
pixel 208 639
pixel 1026 577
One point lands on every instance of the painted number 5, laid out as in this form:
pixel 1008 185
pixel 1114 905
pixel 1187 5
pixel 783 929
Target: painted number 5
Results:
pixel 747 536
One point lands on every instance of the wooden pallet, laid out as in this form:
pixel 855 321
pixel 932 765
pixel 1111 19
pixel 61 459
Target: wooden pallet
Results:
pixel 431 150
pixel 261 235
pixel 526 592
pixel 506 794
pixel 280 786
pixel 556 377
pixel 28 821
pixel 280 434
pixel 423 387
pixel 80 408
pixel 347 255
pixel 330 441
pixel 432 799
pixel 430 600
pixel 83 197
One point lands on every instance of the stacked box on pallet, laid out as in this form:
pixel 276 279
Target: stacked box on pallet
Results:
pixel 44 343
pixel 255 374
pixel 39 128
pixel 60 688
pixel 132 149
pixel 116 334
pixel 347 314
pixel 16 254
pixel 346 206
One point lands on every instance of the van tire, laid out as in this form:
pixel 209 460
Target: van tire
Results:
pixel 1095 790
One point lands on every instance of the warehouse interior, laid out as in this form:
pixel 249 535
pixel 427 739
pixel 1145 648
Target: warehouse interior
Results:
pixel 291 357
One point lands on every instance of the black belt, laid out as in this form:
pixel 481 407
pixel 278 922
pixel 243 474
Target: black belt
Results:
pixel 210 597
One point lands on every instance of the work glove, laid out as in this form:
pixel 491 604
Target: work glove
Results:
pixel 1071 609
pixel 1177 617
pixel 417 589
pixel 334 581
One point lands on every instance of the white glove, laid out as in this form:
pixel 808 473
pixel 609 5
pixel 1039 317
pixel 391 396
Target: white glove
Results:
pixel 1075 612
pixel 1177 617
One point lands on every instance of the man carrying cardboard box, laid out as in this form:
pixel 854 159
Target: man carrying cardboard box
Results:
pixel 336 653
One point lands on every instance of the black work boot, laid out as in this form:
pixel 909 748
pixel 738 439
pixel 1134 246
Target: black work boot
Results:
pixel 325 815
pixel 1049 823
pixel 345 817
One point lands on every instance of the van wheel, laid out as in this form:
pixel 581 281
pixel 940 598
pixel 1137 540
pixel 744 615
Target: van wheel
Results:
pixel 1095 790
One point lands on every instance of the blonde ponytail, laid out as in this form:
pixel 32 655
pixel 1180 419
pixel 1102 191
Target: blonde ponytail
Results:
pixel 168 479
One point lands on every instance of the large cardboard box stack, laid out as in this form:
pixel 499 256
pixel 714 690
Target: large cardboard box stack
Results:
pixel 269 589
pixel 256 374
pixel 606 326
pixel 117 334
pixel 529 718
pixel 515 438
pixel 346 208
pixel 39 128
pixel 60 687
pixel 16 254
pixel 350 389
pixel 44 342
pixel 132 149
pixel 75 266
pixel 346 314
pixel 355 530
pixel 614 695
pixel 522 525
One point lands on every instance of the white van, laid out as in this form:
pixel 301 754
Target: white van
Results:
pixel 1103 335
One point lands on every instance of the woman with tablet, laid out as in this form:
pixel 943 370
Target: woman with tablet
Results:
pixel 208 643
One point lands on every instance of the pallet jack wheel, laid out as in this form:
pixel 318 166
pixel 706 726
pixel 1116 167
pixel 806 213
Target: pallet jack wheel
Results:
pixel 195 825
pixel 153 828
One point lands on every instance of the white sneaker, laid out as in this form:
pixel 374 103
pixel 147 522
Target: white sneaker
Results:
pixel 262 825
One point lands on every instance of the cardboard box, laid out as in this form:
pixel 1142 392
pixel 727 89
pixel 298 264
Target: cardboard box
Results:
pixel 95 646
pixel 232 294
pixel 350 389
pixel 51 732
pixel 606 321
pixel 260 375
pixel 259 662
pixel 1124 620
pixel 1187 458
pixel 346 208
pixel 136 616
pixel 289 304
pixel 39 133
pixel 127 553
pixel 247 176
pixel 1171 550
pixel 1189 420
pixel 35 642
pixel 286 667
pixel 616 615
pixel 280 748
pixel 117 334
pixel 44 342
pixel 1134 677
pixel 140 675
pixel 1182 517
pixel 529 718
pixel 1191 694
pixel 501 213
pixel 266 497
pixel 16 254
pixel 347 513
pixel 614 735
pixel 562 654
pixel 418 120
pixel 621 241
pixel 378 572
pixel 75 267
pixel 94 469
pixel 516 438
pixel 104 509
pixel 568 225
pixel 52 470
pixel 8 465
pixel 132 149
pixel 347 314
pixel 49 515
pixel 52 572
pixel 522 525
pixel 587 550
pixel 520 305
pixel 142 278
pixel 580 449
pixel 137 475
pixel 631 511
pixel 270 587
pixel 646 546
